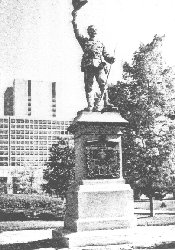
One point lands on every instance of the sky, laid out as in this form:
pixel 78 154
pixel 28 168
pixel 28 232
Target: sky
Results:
pixel 37 41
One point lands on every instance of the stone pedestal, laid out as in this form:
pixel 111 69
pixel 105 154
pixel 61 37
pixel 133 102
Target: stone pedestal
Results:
pixel 99 204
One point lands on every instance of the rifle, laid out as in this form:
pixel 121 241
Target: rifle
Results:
pixel 107 79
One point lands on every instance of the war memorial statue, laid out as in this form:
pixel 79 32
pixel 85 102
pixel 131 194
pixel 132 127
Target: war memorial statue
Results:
pixel 99 204
pixel 94 64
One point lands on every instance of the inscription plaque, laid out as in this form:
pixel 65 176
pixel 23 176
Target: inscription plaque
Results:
pixel 102 160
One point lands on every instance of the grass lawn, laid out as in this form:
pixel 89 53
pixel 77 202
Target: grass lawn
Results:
pixel 142 220
pixel 157 220
pixel 28 225
pixel 145 204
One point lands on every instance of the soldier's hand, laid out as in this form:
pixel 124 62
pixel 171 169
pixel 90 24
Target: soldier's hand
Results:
pixel 74 13
pixel 112 60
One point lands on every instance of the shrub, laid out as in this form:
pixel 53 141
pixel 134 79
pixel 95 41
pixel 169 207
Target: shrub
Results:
pixel 20 206
pixel 47 216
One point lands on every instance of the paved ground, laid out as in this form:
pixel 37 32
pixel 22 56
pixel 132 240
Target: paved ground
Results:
pixel 143 236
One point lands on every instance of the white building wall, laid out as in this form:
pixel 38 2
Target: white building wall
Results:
pixel 20 97
pixel 41 99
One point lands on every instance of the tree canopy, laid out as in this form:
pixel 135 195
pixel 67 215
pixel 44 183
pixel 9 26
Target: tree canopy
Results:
pixel 146 98
pixel 59 171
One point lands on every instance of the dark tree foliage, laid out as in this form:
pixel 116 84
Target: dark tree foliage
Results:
pixel 59 170
pixel 146 99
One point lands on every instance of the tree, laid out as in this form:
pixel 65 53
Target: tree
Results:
pixel 146 99
pixel 59 170
pixel 25 182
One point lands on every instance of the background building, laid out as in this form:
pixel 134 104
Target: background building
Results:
pixel 34 98
pixel 28 134
pixel 8 101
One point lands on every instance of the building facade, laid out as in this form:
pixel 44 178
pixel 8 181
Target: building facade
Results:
pixel 25 145
pixel 28 130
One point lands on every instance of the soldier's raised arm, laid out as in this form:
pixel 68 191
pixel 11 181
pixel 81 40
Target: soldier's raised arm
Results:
pixel 81 39
pixel 107 57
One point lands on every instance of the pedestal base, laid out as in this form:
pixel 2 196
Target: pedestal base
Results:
pixel 93 238
pixel 99 205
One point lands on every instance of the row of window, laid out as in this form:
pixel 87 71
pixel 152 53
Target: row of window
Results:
pixel 57 127
pixel 21 164
pixel 3 125
pixel 3 163
pixel 27 152
pixel 2 142
pixel 4 132
pixel 38 163
pixel 28 148
pixel 31 137
pixel 17 142
pixel 3 152
pixel 3 137
pixel 22 132
pixel 24 151
pixel 3 147
pixel 3 120
pixel 39 121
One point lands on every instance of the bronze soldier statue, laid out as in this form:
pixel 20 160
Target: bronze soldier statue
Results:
pixel 94 62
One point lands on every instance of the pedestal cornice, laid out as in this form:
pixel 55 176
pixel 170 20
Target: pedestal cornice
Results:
pixel 97 119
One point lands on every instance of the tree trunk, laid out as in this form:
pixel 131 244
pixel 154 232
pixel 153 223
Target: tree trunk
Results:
pixel 151 206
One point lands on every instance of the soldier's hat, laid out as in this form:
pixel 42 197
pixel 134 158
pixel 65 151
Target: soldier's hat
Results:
pixel 78 3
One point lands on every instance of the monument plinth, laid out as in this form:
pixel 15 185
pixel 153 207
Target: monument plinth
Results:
pixel 99 199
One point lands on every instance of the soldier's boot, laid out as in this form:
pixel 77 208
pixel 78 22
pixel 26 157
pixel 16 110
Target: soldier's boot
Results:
pixel 90 101
pixel 98 103
pixel 107 104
